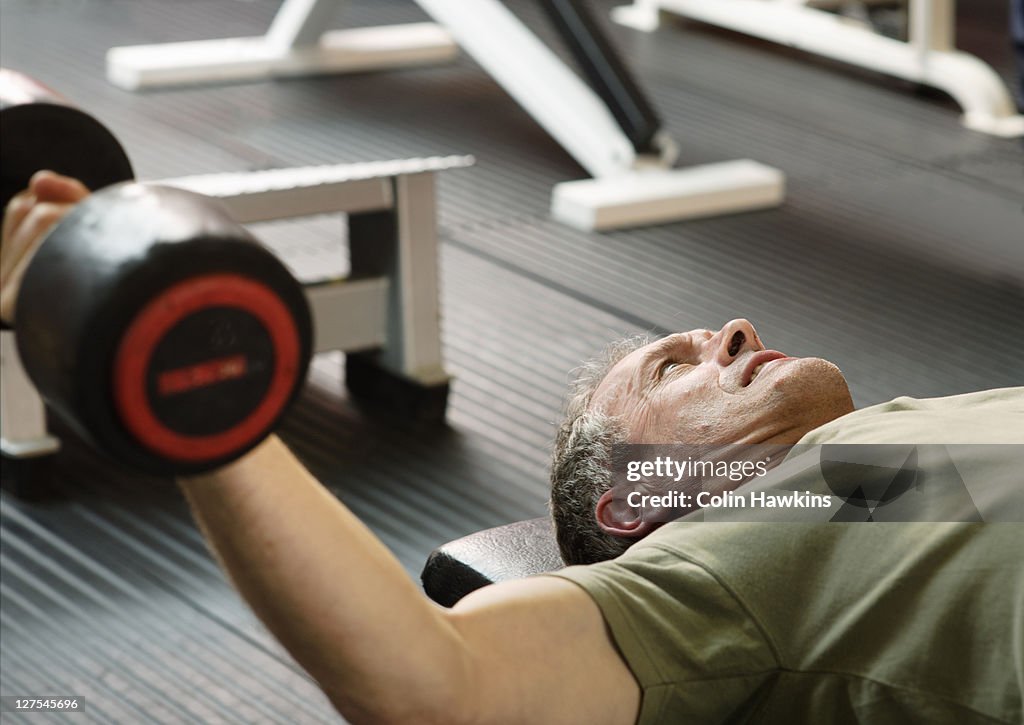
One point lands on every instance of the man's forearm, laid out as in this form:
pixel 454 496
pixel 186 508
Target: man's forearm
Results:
pixel 329 590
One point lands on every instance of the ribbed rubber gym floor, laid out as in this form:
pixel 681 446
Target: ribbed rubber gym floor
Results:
pixel 894 255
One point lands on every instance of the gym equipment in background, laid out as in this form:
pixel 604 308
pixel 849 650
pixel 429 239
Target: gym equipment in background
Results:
pixel 607 126
pixel 929 56
pixel 385 314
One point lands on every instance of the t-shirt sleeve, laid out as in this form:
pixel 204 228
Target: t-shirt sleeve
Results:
pixel 695 651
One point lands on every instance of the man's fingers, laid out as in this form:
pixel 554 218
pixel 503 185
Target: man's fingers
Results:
pixel 25 238
pixel 21 246
pixel 44 186
pixel 17 208
pixel 27 219
pixel 11 285
pixel 51 186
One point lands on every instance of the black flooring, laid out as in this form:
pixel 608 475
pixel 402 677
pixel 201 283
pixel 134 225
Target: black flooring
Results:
pixel 897 255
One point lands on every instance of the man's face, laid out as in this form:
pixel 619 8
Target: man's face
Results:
pixel 717 388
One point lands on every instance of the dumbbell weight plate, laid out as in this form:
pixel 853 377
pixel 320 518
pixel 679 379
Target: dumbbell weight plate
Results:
pixel 162 330
pixel 206 366
pixel 41 132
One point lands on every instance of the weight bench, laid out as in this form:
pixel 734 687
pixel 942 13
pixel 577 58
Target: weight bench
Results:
pixel 502 553
pixel 929 56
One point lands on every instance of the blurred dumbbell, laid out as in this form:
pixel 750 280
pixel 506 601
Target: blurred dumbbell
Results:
pixel 154 324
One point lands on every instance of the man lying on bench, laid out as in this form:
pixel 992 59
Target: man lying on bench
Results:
pixel 914 622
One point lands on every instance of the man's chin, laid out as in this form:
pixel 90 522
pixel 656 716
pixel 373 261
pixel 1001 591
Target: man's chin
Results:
pixel 814 389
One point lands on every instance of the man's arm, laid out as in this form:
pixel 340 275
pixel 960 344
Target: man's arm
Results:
pixel 529 651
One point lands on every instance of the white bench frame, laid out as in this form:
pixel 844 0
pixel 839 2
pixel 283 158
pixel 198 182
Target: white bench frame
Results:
pixel 929 56
pixel 626 189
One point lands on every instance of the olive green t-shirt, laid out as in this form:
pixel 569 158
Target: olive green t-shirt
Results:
pixel 836 622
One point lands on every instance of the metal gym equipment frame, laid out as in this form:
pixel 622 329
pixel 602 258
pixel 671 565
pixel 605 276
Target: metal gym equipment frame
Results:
pixel 928 57
pixel 385 315
pixel 606 125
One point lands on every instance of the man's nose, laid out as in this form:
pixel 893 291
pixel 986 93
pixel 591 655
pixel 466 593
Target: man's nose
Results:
pixel 735 338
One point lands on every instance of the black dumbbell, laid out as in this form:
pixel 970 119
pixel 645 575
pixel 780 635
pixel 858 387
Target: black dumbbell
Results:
pixel 153 323
pixel 41 131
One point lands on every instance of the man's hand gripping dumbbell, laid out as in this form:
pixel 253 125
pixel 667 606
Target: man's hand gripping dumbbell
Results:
pixel 151 321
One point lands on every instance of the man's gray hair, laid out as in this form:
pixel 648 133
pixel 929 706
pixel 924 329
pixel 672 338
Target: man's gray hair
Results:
pixel 581 463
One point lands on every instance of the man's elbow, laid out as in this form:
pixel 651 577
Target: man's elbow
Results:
pixel 428 686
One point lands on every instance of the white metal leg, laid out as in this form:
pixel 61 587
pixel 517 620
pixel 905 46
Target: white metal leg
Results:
pixel 22 413
pixel 295 44
pixel 415 326
pixel 929 57
pixel 643 15
pixel 300 23
pixel 540 82
pixel 656 196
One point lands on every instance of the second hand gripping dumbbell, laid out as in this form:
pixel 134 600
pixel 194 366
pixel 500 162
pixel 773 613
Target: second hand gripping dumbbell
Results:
pixel 157 326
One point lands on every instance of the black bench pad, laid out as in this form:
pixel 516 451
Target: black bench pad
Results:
pixel 505 552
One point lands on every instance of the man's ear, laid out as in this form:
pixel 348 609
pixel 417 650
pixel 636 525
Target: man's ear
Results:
pixel 617 518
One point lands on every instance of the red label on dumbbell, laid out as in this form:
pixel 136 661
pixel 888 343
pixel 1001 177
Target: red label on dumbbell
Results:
pixel 200 375
pixel 206 366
